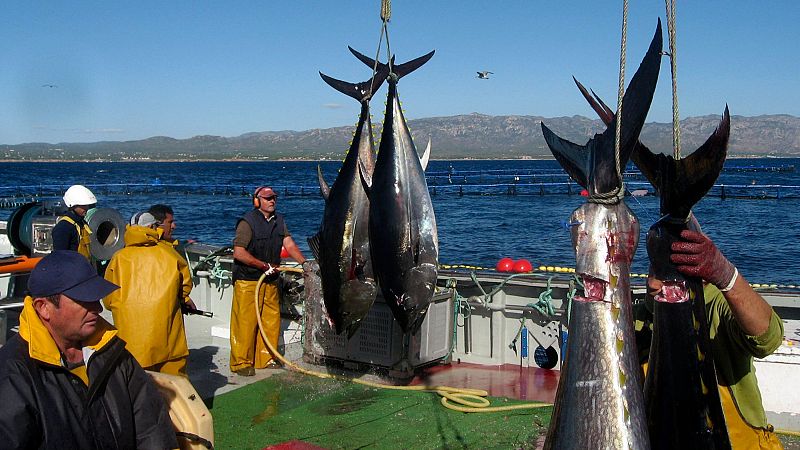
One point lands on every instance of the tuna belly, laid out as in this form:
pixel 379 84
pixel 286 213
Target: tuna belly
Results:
pixel 599 402
pixel 681 396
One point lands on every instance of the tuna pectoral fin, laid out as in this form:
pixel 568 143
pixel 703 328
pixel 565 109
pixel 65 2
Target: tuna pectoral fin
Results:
pixel 361 91
pixel 323 186
pixel 399 70
pixel 683 182
pixel 426 155
pixel 572 157
pixel 366 175
pixel 358 297
pixel 313 244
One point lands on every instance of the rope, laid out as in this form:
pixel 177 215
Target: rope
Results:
pixel 673 59
pixel 458 399
pixel 613 197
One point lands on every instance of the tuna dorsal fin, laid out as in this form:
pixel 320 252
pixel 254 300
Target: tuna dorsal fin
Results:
pixel 399 70
pixel 682 183
pixel 313 244
pixel 363 91
pixel 323 186
pixel 603 111
pixel 426 155
pixel 592 165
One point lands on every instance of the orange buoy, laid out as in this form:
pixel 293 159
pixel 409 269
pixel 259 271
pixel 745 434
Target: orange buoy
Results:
pixel 523 266
pixel 284 253
pixel 505 265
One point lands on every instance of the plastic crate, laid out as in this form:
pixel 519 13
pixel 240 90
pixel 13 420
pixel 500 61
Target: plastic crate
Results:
pixel 379 341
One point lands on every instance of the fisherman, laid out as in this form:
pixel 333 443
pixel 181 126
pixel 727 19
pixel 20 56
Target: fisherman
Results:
pixel 71 231
pixel 66 380
pixel 155 282
pixel 742 325
pixel 260 233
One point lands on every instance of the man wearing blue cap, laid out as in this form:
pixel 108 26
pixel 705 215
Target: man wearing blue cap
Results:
pixel 66 380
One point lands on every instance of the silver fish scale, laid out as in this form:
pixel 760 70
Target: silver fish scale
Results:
pixel 600 404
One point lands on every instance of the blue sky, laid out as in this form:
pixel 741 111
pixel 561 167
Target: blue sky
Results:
pixel 132 70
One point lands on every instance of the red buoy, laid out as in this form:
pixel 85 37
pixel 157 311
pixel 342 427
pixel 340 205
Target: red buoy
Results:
pixel 584 193
pixel 505 265
pixel 284 253
pixel 523 266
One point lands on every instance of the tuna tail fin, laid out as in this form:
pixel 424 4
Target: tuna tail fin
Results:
pixel 363 91
pixel 683 182
pixel 399 70
pixel 592 165
pixel 313 244
pixel 323 186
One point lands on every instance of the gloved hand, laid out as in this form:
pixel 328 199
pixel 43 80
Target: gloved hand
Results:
pixel 697 256
pixel 307 266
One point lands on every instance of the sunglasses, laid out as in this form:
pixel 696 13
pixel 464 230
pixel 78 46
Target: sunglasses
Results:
pixel 270 198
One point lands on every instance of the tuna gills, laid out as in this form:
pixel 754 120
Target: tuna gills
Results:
pixel 341 246
pixel 680 351
pixel 599 403
pixel 402 225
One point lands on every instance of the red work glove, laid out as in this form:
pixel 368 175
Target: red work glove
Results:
pixel 697 256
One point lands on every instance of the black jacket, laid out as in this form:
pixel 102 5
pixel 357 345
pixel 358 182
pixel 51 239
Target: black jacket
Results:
pixel 44 406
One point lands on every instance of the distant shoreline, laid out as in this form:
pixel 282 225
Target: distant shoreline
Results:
pixel 532 158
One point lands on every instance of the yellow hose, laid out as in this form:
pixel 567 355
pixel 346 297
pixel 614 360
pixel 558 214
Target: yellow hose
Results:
pixel 457 399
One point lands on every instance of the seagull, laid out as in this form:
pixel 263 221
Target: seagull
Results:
pixel 49 85
pixel 484 75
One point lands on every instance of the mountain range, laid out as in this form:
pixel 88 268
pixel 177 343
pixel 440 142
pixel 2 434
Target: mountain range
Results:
pixel 477 136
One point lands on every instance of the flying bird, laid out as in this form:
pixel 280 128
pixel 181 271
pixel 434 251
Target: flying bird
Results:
pixel 484 75
pixel 49 85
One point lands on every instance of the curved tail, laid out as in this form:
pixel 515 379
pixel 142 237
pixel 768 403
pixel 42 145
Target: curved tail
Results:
pixel 592 165
pixel 363 91
pixel 680 183
pixel 400 70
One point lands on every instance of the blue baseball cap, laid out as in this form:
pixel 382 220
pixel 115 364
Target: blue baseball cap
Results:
pixel 69 273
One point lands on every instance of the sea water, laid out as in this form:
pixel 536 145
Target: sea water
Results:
pixel 760 236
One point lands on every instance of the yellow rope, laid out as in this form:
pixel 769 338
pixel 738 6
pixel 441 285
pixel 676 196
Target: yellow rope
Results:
pixel 673 59
pixel 467 400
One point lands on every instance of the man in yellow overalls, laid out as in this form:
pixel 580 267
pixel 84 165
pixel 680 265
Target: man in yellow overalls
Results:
pixel 257 249
pixel 71 231
pixel 154 281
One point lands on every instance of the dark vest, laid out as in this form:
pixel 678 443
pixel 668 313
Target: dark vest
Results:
pixel 265 244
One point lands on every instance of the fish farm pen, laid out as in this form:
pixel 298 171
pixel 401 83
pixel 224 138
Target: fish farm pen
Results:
pixel 508 182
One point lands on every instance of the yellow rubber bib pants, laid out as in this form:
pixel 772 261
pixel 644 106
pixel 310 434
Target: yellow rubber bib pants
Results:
pixel 248 348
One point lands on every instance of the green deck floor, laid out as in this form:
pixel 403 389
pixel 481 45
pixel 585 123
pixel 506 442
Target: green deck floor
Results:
pixel 338 415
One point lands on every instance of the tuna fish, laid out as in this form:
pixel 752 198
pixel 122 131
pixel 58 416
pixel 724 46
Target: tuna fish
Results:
pixel 680 350
pixel 599 403
pixel 402 225
pixel 341 246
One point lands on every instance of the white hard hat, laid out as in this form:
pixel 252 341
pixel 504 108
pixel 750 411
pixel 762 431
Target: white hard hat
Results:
pixel 79 195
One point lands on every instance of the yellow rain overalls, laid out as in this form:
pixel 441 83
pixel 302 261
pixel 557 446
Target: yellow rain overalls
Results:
pixel 154 280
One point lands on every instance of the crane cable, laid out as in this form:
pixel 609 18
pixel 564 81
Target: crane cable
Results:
pixel 457 399
pixel 613 197
pixel 673 59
